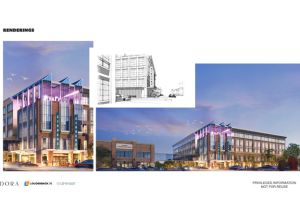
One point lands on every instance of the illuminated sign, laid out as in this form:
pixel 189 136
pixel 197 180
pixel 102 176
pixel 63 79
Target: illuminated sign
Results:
pixel 123 146
pixel 57 136
pixel 75 132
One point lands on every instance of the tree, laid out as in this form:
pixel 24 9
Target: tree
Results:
pixel 293 150
pixel 158 165
pixel 169 164
pixel 103 157
pixel 90 150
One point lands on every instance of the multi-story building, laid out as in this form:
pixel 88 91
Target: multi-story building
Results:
pixel 124 154
pixel 104 75
pixel 135 75
pixel 220 146
pixel 51 123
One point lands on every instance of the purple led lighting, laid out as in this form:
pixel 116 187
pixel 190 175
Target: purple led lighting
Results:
pixel 71 94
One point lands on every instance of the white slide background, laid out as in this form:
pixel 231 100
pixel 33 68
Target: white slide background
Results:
pixel 184 32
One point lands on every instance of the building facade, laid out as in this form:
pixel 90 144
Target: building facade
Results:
pixel 221 146
pixel 104 76
pixel 135 75
pixel 124 154
pixel 52 123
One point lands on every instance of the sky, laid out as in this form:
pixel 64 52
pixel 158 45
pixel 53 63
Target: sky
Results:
pixel 260 97
pixel 28 61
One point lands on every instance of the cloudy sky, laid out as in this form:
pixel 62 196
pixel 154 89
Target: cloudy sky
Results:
pixel 27 62
pixel 262 97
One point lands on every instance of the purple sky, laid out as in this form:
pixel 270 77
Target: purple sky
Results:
pixel 27 62
pixel 261 97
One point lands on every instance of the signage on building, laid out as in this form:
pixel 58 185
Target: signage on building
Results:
pixel 75 132
pixel 123 146
pixel 57 136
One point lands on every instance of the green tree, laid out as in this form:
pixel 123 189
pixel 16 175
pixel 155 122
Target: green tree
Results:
pixel 293 150
pixel 158 165
pixel 103 157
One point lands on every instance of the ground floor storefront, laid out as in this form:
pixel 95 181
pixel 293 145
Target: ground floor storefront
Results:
pixel 226 164
pixel 48 157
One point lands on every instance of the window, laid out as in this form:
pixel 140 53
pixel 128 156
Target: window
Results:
pixel 10 133
pixel 118 63
pixel 124 154
pixel 141 61
pixel 44 143
pixel 103 89
pixel 85 115
pixel 143 155
pixel 9 119
pixel 65 116
pixel 46 115
pixel 9 107
pixel 78 110
pixel 212 142
pixel 65 144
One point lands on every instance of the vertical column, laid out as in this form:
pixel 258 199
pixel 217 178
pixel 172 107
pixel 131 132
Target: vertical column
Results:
pixel 50 158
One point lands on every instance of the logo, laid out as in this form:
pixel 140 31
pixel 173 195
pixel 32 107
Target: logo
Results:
pixel 9 183
pixel 26 183
pixel 30 183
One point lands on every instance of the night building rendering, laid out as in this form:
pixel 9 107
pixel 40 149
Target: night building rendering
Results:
pixel 48 123
pixel 221 146
pixel 124 154
pixel 135 75
pixel 104 76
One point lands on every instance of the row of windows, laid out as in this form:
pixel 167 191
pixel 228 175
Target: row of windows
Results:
pixel 131 72
pixel 128 154
pixel 130 61
pixel 64 143
pixel 131 82
pixel 124 154
pixel 255 137
pixel 143 155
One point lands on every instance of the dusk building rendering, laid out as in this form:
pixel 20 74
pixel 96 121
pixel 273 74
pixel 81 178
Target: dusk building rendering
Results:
pixel 48 123
pixel 135 75
pixel 221 146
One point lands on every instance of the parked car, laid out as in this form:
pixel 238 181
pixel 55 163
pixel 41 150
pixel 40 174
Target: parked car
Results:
pixel 236 167
pixel 27 164
pixel 172 95
pixel 267 168
pixel 85 164
pixel 120 97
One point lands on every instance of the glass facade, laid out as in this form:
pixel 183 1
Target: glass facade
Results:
pixel 124 154
pixel 78 110
pixel 46 114
pixel 65 116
